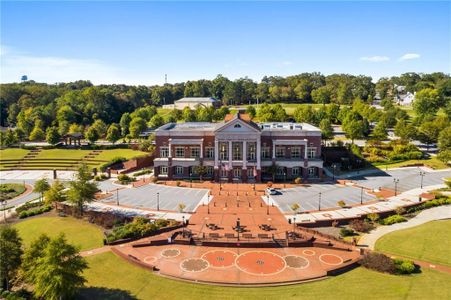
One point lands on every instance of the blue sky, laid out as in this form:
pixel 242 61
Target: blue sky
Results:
pixel 139 42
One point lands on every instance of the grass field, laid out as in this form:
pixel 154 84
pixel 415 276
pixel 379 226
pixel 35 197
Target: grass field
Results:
pixel 10 190
pixel 107 155
pixel 11 153
pixel 78 232
pixel 62 153
pixel 432 162
pixel 110 277
pixel 430 242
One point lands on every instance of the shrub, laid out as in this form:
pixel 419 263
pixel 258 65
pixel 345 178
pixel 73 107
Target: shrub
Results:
pixel 178 183
pixel 393 220
pixel 360 225
pixel 378 262
pixel 142 172
pixel 181 207
pixel 125 179
pixel 269 183
pixel 27 206
pixel 298 180
pixel 113 161
pixel 34 212
pixel 341 203
pixel 404 266
pixel 373 217
pixel 346 232
pixel 400 210
pixel 139 227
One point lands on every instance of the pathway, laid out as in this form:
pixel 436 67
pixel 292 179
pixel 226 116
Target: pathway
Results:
pixel 436 213
pixel 95 251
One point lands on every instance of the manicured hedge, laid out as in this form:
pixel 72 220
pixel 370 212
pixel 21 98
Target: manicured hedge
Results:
pixel 34 212
pixel 139 227
pixel 393 220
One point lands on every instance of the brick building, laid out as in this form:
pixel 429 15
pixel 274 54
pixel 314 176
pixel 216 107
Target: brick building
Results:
pixel 237 149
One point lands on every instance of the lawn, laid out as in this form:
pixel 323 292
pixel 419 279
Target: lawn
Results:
pixel 429 242
pixel 78 232
pixel 432 162
pixel 13 153
pixel 112 277
pixel 10 190
pixel 75 154
pixel 107 155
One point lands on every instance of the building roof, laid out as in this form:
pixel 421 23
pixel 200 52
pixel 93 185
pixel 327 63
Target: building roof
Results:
pixel 188 126
pixel 285 126
pixel 196 100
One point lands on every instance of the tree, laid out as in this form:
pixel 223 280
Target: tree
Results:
pixel 321 95
pixel 125 123
pixel 326 129
pixel 75 128
pixel 250 110
pixel 54 268
pixel 10 254
pixel 92 135
pixel 113 133
pixel 427 102
pixel 200 170
pixel 444 139
pixel 354 129
pixel 156 121
pixel 41 186
pixel 137 125
pixel 52 136
pixel 55 193
pixel 404 131
pixel 428 133
pixel 82 190
pixel 100 127
pixel 37 134
pixel 295 207
pixel 380 131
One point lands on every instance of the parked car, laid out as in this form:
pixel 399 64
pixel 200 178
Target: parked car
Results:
pixel 271 191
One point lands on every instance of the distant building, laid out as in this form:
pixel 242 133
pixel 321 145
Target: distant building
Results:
pixel 238 150
pixel 405 99
pixel 193 103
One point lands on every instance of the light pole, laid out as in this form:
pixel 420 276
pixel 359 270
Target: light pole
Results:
pixel 319 201
pixel 267 204
pixel 294 224
pixel 158 201
pixel 396 181
pixel 183 227
pixel 117 197
pixel 361 195
pixel 208 204
pixel 334 166
pixel 422 174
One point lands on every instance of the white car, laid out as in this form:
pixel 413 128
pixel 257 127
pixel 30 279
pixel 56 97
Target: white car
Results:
pixel 271 191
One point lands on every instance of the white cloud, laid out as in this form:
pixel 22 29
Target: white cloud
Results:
pixel 376 58
pixel 409 56
pixel 52 69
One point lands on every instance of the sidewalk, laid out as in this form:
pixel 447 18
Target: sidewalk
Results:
pixel 436 213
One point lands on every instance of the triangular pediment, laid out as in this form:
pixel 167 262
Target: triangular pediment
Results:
pixel 237 125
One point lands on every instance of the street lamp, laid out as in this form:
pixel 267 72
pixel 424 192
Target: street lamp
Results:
pixel 334 167
pixel 396 181
pixel 183 226
pixel 361 195
pixel 294 223
pixel 422 174
pixel 267 204
pixel 208 204
pixel 158 201
pixel 117 197
pixel 319 201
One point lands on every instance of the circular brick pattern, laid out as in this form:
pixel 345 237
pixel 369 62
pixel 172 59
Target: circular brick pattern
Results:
pixel 220 258
pixel 260 263
pixel 296 262
pixel 194 265
pixel 149 259
pixel 331 259
pixel 309 252
pixel 168 253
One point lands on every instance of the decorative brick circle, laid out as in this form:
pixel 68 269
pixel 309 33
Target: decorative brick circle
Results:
pixel 296 262
pixel 220 258
pixel 260 263
pixel 149 259
pixel 331 259
pixel 194 265
pixel 309 252
pixel 170 253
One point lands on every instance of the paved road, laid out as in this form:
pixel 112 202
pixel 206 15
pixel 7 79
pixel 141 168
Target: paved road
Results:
pixel 436 213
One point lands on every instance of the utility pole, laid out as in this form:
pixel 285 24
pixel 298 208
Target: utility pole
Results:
pixel 396 181
pixel 422 174
pixel 319 201
pixel 158 201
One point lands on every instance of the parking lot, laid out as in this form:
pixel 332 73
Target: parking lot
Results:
pixel 169 197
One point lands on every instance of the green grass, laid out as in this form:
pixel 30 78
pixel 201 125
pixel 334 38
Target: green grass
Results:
pixel 78 232
pixel 429 242
pixel 289 107
pixel 107 155
pixel 12 153
pixel 432 162
pixel 11 190
pixel 62 153
pixel 108 271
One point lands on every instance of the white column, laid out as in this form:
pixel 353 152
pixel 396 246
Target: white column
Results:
pixel 170 150
pixel 273 149
pixel 201 149
pixel 305 150
pixel 258 153
pixel 244 154
pixel 230 155
pixel 216 153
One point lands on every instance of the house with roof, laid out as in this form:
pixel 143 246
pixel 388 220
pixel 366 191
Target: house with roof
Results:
pixel 238 150
pixel 193 103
